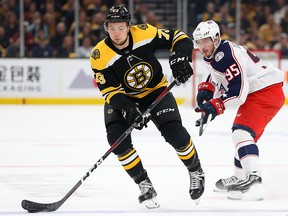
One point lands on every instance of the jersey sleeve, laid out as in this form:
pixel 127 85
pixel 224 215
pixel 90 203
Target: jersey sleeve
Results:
pixel 108 84
pixel 238 83
pixel 174 40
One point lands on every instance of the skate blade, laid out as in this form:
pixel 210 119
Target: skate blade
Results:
pixel 151 203
pixel 255 193
pixel 197 201
pixel 219 190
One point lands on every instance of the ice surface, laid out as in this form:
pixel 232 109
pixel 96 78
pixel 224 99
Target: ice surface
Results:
pixel 45 150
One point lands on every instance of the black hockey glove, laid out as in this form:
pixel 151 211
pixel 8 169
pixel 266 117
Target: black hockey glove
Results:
pixel 180 66
pixel 205 92
pixel 133 114
pixel 214 107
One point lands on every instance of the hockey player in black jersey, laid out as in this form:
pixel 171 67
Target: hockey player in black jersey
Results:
pixel 130 78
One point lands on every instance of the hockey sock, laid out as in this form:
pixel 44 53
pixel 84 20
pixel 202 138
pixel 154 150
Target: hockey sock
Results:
pixel 188 155
pixel 132 164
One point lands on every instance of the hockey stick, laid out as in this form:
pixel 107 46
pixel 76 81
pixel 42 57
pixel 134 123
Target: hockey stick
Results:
pixel 202 128
pixel 34 207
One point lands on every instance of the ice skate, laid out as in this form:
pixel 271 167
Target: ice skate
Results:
pixel 197 184
pixel 222 184
pixel 148 194
pixel 250 189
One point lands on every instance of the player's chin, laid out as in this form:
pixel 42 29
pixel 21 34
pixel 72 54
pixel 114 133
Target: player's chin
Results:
pixel 207 54
pixel 118 42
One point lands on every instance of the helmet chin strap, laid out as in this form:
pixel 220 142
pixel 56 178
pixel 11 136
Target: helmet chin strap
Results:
pixel 215 48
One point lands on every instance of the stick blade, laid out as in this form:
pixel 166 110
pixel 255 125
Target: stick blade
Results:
pixel 201 128
pixel 33 207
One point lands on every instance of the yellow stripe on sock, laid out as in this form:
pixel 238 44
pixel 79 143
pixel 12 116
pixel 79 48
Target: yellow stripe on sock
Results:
pixel 133 164
pixel 127 155
pixel 186 157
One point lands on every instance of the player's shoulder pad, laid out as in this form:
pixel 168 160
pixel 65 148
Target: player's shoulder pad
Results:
pixel 143 33
pixel 102 56
pixel 224 55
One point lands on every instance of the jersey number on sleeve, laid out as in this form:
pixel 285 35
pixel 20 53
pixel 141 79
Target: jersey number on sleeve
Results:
pixel 231 72
pixel 163 33
pixel 99 78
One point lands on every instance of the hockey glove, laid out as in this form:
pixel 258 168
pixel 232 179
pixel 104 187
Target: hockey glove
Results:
pixel 214 107
pixel 180 66
pixel 133 115
pixel 205 92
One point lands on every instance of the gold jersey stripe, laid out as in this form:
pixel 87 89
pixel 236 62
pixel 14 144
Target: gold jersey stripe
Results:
pixel 147 91
pixel 141 38
pixel 110 89
pixel 106 56
pixel 178 35
pixel 110 95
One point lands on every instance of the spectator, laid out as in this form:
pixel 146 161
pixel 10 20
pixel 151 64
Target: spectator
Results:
pixel 37 25
pixel 84 51
pixel 210 13
pixel 83 19
pixel 153 20
pixel 97 27
pixel 67 48
pixel 284 22
pixel 224 16
pixel 42 49
pixel 12 25
pixel 56 41
pixel 245 40
pixel 258 18
pixel 279 11
pixel 4 42
pixel 50 22
pixel 13 50
pixel 266 31
pixel 68 13
pixel 282 45
pixel 28 14
pixel 92 6
pixel 140 16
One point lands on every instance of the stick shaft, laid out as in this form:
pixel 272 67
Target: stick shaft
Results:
pixel 48 207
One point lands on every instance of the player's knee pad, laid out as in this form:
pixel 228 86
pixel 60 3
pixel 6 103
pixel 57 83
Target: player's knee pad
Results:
pixel 114 131
pixel 175 134
pixel 244 144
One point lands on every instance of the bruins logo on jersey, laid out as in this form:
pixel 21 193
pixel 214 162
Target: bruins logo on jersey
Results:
pixel 95 54
pixel 139 76
pixel 142 26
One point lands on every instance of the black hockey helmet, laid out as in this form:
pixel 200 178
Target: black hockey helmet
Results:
pixel 118 14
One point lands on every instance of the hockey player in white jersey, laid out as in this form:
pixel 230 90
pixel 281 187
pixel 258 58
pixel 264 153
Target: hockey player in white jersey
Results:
pixel 238 77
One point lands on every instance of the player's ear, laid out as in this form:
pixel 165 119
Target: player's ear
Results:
pixel 217 38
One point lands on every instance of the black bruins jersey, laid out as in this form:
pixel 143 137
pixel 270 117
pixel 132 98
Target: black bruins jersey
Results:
pixel 135 72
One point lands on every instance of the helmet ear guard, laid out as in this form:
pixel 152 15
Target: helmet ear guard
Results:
pixel 117 14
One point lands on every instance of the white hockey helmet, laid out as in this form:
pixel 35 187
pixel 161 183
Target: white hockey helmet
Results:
pixel 206 29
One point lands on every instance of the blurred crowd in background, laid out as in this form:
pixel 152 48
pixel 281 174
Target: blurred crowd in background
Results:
pixel 49 24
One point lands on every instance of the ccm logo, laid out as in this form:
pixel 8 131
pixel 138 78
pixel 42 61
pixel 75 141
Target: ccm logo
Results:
pixel 173 61
pixel 165 111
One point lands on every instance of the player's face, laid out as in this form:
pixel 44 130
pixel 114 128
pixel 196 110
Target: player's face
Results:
pixel 118 33
pixel 206 46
